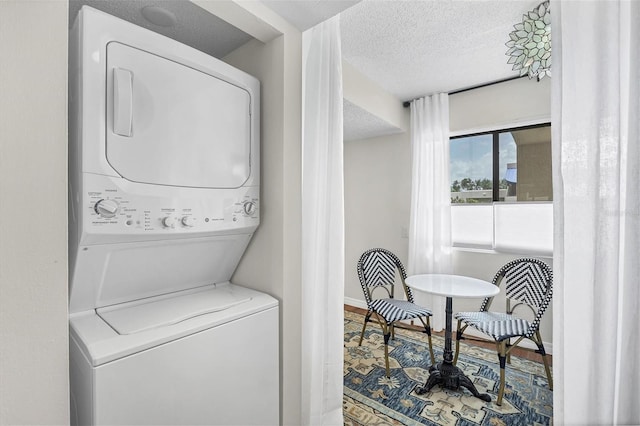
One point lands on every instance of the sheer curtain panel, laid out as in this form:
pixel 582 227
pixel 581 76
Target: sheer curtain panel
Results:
pixel 430 222
pixel 322 226
pixel 596 166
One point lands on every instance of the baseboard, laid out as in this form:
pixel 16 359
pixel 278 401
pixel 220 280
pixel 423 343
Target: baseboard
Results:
pixel 526 343
pixel 355 302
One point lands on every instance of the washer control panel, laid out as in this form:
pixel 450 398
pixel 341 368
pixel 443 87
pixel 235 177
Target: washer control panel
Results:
pixel 110 210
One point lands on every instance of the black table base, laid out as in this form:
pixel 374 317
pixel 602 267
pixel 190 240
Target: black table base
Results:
pixel 445 373
pixel 449 376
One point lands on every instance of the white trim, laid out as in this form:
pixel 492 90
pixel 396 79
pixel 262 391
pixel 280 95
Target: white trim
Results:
pixel 355 302
pixel 501 126
pixel 257 20
pixel 484 250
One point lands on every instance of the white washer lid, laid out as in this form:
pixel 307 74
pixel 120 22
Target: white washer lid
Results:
pixel 134 317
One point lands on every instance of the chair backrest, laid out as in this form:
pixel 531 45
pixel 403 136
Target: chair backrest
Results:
pixel 377 269
pixel 526 282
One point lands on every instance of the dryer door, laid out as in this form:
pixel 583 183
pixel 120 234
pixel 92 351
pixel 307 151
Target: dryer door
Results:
pixel 170 124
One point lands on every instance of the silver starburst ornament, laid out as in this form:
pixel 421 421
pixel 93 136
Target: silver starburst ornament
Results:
pixel 530 43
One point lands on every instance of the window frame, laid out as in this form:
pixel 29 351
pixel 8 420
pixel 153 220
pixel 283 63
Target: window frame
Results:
pixel 542 224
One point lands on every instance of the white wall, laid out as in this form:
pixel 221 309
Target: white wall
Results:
pixel 33 213
pixel 378 184
pixel 272 262
pixel 512 103
pixel 377 188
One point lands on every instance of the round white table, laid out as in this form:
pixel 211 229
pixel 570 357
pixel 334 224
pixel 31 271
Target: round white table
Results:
pixel 445 373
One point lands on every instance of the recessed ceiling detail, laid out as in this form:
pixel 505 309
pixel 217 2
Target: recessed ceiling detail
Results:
pixel 361 124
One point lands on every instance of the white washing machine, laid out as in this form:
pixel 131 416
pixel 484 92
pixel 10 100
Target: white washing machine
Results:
pixel 164 199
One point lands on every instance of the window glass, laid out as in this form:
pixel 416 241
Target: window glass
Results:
pixel 508 167
pixel 471 169
pixel 531 169
pixel 521 170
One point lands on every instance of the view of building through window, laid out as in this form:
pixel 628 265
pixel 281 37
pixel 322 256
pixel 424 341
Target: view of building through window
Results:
pixel 506 165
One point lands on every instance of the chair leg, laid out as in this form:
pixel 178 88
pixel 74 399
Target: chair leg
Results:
pixel 433 357
pixel 387 334
pixel 364 326
pixel 459 333
pixel 427 329
pixel 502 356
pixel 545 359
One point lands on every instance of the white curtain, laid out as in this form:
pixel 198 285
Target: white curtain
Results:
pixel 322 227
pixel 430 223
pixel 596 166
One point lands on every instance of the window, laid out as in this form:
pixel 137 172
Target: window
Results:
pixel 505 165
pixel 501 190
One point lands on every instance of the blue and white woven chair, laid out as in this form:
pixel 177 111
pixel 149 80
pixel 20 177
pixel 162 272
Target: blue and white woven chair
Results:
pixel 528 284
pixel 378 270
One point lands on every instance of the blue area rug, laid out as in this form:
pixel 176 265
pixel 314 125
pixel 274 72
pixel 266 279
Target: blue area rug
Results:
pixel 370 398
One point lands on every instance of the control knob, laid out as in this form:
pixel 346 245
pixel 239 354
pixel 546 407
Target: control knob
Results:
pixel 249 208
pixel 188 221
pixel 106 208
pixel 169 221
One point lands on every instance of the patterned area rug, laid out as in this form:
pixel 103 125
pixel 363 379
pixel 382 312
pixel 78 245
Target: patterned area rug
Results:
pixel 370 398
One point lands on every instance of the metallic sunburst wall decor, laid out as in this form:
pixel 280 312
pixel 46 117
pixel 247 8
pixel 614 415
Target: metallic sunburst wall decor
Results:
pixel 530 44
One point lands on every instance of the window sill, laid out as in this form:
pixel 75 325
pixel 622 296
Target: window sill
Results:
pixel 489 250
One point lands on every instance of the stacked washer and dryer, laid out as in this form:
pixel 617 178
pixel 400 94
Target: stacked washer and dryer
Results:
pixel 164 199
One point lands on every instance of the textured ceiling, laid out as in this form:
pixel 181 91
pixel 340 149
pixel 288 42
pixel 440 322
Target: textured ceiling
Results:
pixel 416 48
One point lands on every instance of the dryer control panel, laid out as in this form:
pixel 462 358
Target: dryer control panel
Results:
pixel 112 206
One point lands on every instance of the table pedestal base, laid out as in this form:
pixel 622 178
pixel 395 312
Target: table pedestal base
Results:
pixel 445 373
pixel 449 376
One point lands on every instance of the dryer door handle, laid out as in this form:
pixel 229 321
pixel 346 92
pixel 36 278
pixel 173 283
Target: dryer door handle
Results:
pixel 122 102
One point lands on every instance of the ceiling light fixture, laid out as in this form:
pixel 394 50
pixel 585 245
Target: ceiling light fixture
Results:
pixel 530 43
pixel 159 16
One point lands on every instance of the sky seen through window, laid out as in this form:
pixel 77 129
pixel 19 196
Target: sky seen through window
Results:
pixel 471 156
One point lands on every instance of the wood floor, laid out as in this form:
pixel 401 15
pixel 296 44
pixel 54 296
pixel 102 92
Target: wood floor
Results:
pixel 529 354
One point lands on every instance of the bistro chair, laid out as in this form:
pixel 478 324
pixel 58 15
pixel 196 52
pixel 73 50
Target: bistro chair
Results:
pixel 378 271
pixel 528 284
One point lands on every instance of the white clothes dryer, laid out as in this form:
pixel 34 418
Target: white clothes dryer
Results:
pixel 164 199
